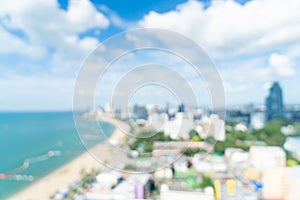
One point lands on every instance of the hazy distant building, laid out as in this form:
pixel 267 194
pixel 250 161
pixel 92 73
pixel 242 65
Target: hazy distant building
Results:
pixel 167 107
pixel 140 112
pixel 181 108
pixel 257 120
pixel 274 103
pixel 239 116
pixel 107 107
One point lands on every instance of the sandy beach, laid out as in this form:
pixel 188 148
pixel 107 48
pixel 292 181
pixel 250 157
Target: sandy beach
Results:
pixel 61 178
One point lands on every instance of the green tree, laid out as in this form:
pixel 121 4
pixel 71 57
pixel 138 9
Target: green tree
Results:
pixel 192 151
pixel 146 140
pixel 206 182
pixel 193 133
pixel 196 138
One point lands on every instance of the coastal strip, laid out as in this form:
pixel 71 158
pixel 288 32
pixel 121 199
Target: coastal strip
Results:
pixel 64 176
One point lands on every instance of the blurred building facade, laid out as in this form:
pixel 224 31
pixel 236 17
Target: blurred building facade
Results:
pixel 274 103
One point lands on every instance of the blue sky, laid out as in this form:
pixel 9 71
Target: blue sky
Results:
pixel 44 42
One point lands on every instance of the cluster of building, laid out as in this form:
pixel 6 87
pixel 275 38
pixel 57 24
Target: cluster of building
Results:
pixel 260 173
pixel 255 116
pixel 115 185
pixel 251 115
pixel 178 122
pixel 178 180
pixel 264 169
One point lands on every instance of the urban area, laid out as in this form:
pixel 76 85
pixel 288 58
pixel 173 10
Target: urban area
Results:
pixel 185 153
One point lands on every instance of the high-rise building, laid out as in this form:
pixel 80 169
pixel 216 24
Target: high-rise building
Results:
pixel 181 108
pixel 274 103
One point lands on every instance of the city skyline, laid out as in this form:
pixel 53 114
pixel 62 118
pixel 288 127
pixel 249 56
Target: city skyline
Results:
pixel 40 61
pixel 178 99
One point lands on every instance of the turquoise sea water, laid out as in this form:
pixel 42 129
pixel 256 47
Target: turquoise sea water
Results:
pixel 30 135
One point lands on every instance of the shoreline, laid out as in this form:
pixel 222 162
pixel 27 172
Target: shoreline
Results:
pixel 70 172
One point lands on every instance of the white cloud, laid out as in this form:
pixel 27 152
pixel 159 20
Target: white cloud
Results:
pixel 281 64
pixel 116 20
pixel 241 39
pixel 258 72
pixel 39 33
pixel 228 28
pixel 47 27
pixel 11 44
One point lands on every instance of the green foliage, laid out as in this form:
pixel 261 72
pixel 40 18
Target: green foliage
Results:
pixel 193 133
pixel 184 175
pixel 87 178
pixel 210 140
pixel 297 129
pixel 191 151
pixel 220 147
pixel 130 167
pixel 291 163
pixel 191 179
pixel 147 138
pixel 290 157
pixel 231 123
pixel 191 182
pixel 270 135
pixel 206 182
pixel 196 138
pixel 234 139
pixel 148 147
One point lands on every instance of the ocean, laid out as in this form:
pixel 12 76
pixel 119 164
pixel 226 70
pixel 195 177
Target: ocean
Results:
pixel 33 145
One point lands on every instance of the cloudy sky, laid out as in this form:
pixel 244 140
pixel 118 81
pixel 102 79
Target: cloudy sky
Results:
pixel 44 42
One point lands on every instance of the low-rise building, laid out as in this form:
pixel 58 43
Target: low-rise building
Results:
pixel 212 127
pixel 282 183
pixel 266 157
pixel 167 194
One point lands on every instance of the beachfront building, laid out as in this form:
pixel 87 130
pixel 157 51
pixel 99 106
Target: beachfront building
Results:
pixel 180 126
pixel 177 127
pixel 212 126
pixel 157 121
